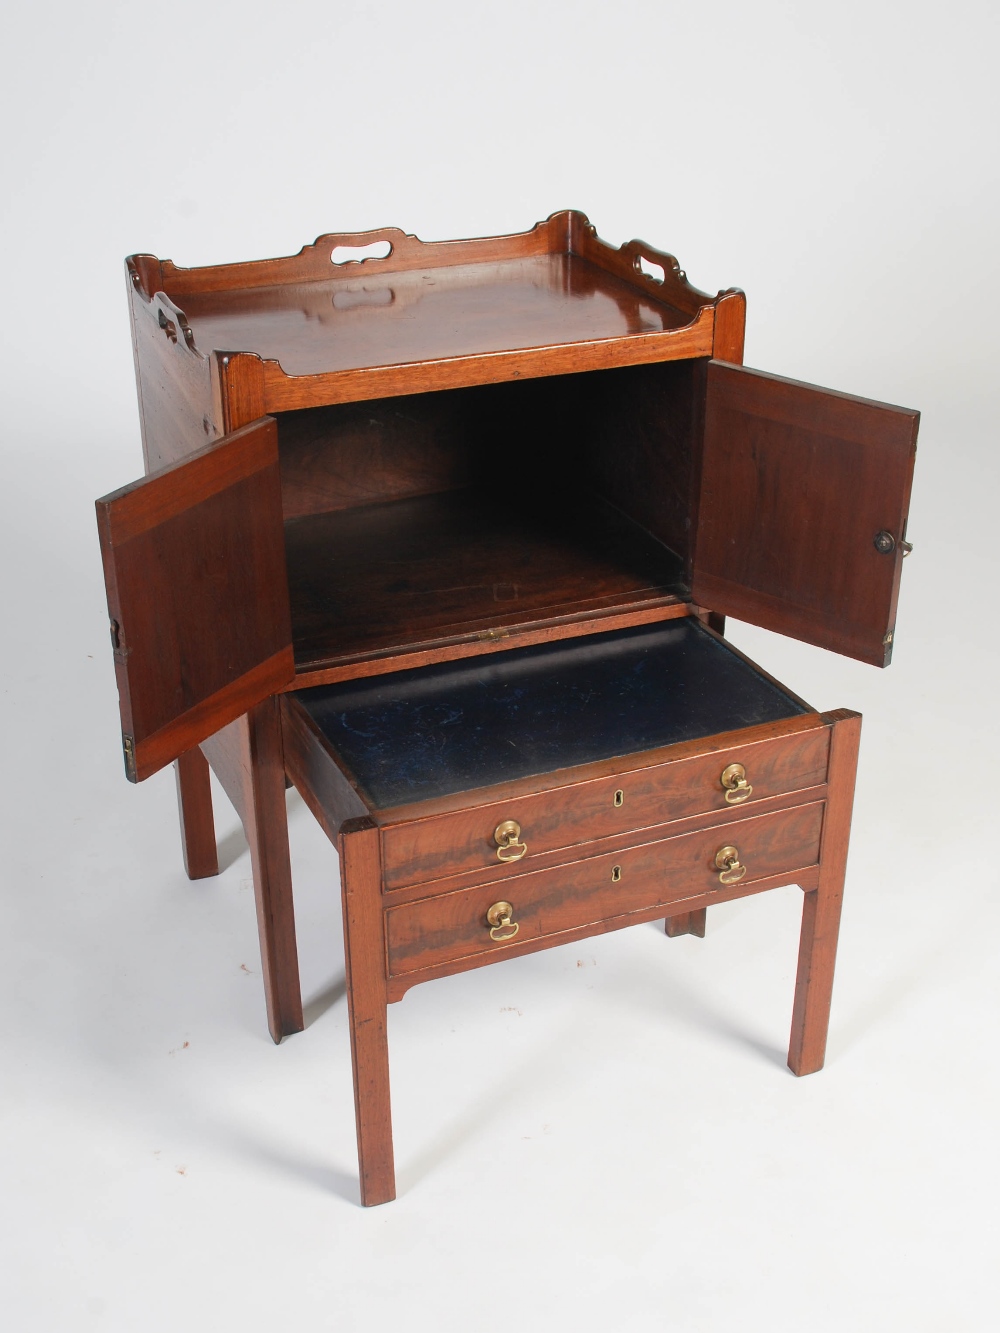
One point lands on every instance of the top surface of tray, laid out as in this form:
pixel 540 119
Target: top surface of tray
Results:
pixel 396 318
pixel 383 312
pixel 437 730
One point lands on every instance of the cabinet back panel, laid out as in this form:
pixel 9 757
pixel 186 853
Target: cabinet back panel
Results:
pixel 626 434
pixel 365 453
pixel 527 436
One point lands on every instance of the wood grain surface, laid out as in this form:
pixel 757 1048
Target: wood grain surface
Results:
pixel 437 315
pixel 453 926
pixel 313 767
pixel 179 408
pixel 364 950
pixel 247 757
pixel 194 565
pixel 686 923
pixel 194 804
pixel 419 572
pixel 433 847
pixel 821 908
pixel 795 484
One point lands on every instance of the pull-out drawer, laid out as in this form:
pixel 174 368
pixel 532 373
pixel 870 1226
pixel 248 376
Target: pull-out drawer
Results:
pixel 432 932
pixel 563 745
pixel 730 778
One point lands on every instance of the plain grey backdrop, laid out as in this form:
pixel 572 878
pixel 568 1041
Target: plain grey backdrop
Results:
pixel 603 1136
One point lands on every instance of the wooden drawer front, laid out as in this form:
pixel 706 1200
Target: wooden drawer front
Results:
pixel 452 926
pixel 421 850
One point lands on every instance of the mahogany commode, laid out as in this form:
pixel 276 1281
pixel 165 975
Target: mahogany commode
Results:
pixel 446 537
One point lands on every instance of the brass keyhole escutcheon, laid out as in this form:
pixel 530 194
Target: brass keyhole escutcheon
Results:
pixel 731 870
pixel 498 918
pixel 507 837
pixel 735 785
pixel 619 798
pixel 616 874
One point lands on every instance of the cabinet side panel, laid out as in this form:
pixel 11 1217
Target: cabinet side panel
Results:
pixel 641 423
pixel 177 408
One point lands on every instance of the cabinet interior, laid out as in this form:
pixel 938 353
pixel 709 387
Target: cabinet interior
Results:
pixel 428 522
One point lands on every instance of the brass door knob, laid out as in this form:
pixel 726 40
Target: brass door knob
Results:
pixel 507 837
pixel 734 783
pixel 498 918
pixel 731 870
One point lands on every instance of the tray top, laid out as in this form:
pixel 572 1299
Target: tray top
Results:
pixel 550 300
pixel 437 730
pixel 397 318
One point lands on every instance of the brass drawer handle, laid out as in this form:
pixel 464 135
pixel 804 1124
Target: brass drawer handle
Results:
pixel 731 870
pixel 735 785
pixel 499 920
pixel 507 837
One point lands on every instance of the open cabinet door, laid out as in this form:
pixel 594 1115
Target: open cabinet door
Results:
pixel 802 512
pixel 194 562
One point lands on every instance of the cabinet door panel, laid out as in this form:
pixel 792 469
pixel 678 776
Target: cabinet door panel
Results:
pixel 797 482
pixel 194 562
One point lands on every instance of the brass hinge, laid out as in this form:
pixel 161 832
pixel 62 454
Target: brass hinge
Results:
pixel 128 749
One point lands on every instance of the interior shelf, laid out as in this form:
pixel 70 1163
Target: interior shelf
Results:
pixel 417 572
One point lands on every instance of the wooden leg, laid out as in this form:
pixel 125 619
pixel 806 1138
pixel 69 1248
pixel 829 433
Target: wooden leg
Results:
pixel 716 622
pixel 248 759
pixel 265 820
pixel 194 804
pixel 687 923
pixel 364 951
pixel 712 619
pixel 821 906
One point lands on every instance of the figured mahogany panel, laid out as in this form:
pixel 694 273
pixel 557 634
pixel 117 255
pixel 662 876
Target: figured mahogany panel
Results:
pixel 194 564
pixel 632 799
pixel 453 926
pixel 797 485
